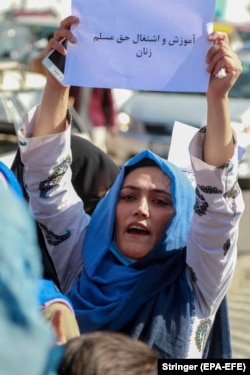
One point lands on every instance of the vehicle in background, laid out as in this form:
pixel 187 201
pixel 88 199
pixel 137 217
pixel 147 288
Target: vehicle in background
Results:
pixel 42 23
pixel 15 12
pixel 24 33
pixel 19 92
pixel 146 121
pixel 16 42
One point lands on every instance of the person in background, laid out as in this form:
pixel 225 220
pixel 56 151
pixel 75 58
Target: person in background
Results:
pixel 27 341
pixel 157 256
pixel 107 353
pixel 52 302
pixel 98 111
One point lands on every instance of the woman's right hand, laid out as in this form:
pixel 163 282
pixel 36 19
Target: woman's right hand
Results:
pixel 62 32
pixel 53 108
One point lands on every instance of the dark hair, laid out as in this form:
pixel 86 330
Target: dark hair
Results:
pixel 107 353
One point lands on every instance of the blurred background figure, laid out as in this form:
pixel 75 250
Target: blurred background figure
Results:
pixel 97 108
pixel 26 339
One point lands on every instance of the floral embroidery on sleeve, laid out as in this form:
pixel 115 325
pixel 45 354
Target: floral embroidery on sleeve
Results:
pixel 201 333
pixel 231 195
pixel 210 189
pixel 55 177
pixel 55 239
pixel 201 205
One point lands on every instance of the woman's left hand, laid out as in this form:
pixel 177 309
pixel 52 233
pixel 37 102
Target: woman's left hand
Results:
pixel 220 56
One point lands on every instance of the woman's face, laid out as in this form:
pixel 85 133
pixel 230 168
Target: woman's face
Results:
pixel 143 211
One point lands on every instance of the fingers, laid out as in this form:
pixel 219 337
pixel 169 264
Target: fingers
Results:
pixel 218 37
pixel 218 52
pixel 69 21
pixel 63 31
pixel 220 56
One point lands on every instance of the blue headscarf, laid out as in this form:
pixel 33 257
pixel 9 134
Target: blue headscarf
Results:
pixel 11 180
pixel 150 299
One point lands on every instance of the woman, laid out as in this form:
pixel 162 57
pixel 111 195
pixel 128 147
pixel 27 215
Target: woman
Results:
pixel 156 258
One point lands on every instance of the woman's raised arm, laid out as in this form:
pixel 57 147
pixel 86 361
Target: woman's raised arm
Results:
pixel 219 145
pixel 53 109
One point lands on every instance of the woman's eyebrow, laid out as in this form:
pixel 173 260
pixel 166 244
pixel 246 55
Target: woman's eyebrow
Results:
pixel 133 187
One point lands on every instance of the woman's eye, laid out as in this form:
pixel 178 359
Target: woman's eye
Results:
pixel 162 202
pixel 127 197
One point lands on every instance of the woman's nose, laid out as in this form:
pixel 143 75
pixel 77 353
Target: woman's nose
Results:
pixel 143 207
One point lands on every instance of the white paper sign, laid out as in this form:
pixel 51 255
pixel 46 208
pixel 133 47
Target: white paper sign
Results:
pixel 179 148
pixel 141 44
pixel 182 135
pixel 178 153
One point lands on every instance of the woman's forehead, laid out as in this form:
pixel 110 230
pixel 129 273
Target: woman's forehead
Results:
pixel 149 174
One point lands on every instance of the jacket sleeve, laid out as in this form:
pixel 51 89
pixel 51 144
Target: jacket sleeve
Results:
pixel 212 243
pixel 52 198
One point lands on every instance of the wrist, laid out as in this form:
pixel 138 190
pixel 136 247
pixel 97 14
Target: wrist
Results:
pixel 211 96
